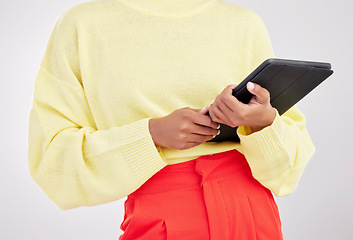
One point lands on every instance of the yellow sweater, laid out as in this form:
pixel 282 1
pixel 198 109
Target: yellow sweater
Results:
pixel 112 65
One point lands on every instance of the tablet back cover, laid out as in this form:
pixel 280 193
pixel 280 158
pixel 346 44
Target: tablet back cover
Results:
pixel 288 81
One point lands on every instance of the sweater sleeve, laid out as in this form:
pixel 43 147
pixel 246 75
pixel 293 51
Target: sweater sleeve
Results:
pixel 72 161
pixel 278 154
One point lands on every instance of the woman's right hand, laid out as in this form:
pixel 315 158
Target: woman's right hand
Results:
pixel 182 129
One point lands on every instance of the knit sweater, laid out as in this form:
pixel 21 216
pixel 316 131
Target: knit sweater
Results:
pixel 112 65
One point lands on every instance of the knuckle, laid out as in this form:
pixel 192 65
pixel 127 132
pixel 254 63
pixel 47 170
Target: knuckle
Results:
pixel 213 117
pixel 185 116
pixel 217 116
pixel 224 97
pixel 216 119
pixel 182 137
pixel 186 111
pixel 185 128
pixel 181 111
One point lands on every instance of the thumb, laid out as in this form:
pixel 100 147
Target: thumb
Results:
pixel 261 94
pixel 198 110
pixel 204 110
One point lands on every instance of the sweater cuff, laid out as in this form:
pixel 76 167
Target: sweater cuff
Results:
pixel 266 141
pixel 143 156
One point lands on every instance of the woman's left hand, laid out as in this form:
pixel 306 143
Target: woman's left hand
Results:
pixel 257 114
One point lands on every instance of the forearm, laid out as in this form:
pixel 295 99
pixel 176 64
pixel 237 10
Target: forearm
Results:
pixel 278 154
pixel 74 163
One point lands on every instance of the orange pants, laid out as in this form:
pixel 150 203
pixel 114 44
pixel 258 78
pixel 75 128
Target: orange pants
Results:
pixel 212 197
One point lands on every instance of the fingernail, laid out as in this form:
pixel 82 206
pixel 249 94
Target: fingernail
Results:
pixel 203 109
pixel 219 131
pixel 233 85
pixel 212 101
pixel 251 86
pixel 219 126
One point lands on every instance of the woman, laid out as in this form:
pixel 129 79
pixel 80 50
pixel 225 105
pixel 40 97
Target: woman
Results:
pixel 119 109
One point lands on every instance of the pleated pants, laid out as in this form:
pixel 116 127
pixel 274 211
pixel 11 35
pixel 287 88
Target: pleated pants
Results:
pixel 211 197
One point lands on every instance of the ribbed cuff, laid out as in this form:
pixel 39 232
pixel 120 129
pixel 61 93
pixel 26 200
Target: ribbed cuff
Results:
pixel 266 154
pixel 266 141
pixel 144 158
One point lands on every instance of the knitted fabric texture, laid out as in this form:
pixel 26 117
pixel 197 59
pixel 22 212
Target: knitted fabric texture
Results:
pixel 111 65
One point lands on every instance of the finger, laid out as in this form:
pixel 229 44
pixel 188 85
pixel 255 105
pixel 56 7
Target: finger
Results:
pixel 228 115
pixel 190 145
pixel 228 90
pixel 231 102
pixel 206 131
pixel 262 94
pixel 204 110
pixel 204 120
pixel 197 138
pixel 221 111
pixel 216 114
pixel 232 86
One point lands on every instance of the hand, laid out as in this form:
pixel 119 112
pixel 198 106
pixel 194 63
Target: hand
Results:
pixel 257 114
pixel 182 129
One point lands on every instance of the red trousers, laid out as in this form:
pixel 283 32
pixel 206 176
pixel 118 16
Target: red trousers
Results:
pixel 212 197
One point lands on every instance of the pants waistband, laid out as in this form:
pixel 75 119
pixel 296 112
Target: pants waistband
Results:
pixel 194 172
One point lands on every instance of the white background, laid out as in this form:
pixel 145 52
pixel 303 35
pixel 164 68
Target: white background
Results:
pixel 320 208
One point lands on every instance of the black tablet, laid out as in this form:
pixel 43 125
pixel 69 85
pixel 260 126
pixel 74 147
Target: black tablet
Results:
pixel 288 81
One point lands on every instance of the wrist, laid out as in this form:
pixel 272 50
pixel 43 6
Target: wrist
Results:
pixel 267 120
pixel 153 127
